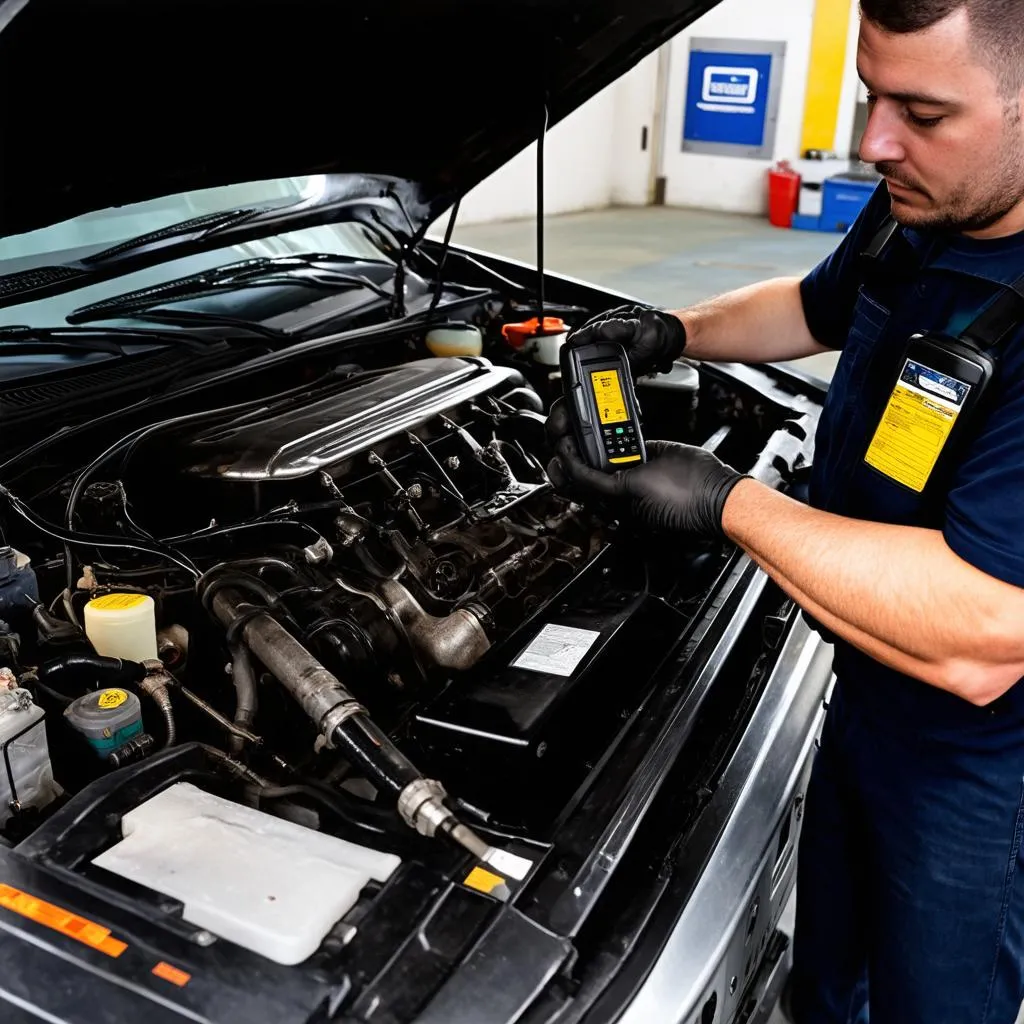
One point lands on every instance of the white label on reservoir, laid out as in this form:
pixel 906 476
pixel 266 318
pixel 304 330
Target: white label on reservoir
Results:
pixel 557 650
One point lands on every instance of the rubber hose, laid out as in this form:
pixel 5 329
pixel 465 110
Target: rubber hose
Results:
pixel 357 817
pixel 109 671
pixel 246 699
pixel 242 581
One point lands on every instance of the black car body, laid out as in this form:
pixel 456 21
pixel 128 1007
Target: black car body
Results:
pixel 326 471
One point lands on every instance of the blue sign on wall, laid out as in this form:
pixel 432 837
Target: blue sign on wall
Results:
pixel 727 98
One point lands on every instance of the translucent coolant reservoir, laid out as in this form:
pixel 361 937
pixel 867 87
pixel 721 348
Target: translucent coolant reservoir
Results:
pixel 29 753
pixel 122 626
pixel 271 886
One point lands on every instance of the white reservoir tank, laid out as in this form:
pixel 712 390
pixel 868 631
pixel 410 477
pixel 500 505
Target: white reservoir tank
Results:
pixel 29 753
pixel 122 626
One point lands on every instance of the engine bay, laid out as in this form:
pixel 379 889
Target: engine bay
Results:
pixel 348 602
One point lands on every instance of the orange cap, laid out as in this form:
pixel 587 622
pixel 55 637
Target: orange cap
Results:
pixel 517 334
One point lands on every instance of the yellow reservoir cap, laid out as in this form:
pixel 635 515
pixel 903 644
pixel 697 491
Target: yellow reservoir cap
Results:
pixel 122 626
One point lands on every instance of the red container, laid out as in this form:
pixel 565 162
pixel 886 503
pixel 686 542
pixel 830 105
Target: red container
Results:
pixel 783 194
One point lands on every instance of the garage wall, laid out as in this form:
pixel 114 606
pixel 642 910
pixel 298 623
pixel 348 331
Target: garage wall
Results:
pixel 599 156
pixel 723 182
pixel 593 158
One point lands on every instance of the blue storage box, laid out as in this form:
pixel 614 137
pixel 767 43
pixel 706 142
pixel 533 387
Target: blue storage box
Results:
pixel 842 200
pixel 805 222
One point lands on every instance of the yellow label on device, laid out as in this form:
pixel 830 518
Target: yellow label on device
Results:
pixel 916 424
pixel 611 406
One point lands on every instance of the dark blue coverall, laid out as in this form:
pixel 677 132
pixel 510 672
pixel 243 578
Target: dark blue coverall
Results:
pixel 910 881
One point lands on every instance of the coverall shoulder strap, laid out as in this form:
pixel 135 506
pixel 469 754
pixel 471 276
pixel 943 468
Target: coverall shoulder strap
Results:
pixel 999 319
pixel 881 240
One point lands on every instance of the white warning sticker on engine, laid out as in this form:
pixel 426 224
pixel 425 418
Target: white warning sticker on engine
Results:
pixel 557 650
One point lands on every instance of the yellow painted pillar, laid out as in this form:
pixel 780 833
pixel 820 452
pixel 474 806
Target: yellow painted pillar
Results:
pixel 825 73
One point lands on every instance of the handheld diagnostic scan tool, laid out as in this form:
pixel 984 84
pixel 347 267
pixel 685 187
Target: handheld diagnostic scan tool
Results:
pixel 599 392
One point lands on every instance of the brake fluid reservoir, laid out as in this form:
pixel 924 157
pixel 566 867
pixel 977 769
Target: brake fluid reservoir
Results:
pixel 122 626
pixel 29 753
pixel 106 718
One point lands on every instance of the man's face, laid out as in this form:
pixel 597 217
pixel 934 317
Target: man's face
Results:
pixel 948 141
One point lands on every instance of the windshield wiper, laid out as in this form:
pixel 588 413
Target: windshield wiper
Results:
pixel 202 227
pixel 207 318
pixel 260 272
pixel 92 339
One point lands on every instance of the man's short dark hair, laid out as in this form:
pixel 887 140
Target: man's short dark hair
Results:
pixel 997 29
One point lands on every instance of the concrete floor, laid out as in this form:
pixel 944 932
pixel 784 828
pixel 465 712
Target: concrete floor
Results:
pixel 665 256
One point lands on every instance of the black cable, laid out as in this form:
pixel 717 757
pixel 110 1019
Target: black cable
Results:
pixel 93 540
pixel 330 800
pixel 540 222
pixel 445 245
pixel 222 531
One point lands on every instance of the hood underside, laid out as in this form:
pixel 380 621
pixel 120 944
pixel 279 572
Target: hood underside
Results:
pixel 110 102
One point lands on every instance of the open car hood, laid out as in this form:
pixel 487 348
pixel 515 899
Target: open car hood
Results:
pixel 112 102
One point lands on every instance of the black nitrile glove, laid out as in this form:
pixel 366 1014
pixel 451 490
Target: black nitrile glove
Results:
pixel 652 338
pixel 680 489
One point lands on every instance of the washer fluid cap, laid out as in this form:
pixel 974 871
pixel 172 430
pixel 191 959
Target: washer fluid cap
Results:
pixel 122 626
pixel 517 335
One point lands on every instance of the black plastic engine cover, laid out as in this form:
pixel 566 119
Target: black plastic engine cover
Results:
pixel 536 734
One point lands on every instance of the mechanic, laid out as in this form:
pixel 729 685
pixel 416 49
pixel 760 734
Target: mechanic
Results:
pixel 910 881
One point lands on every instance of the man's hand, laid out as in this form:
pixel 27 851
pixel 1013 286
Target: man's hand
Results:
pixel 653 339
pixel 681 489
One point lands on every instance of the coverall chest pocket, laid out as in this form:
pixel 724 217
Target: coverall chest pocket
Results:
pixel 844 425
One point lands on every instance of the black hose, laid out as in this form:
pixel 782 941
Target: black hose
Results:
pixel 333 802
pixel 233 766
pixel 208 587
pixel 246 699
pixel 109 671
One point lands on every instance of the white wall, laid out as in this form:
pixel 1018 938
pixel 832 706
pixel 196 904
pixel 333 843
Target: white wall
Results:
pixel 592 158
pixel 731 183
pixel 852 88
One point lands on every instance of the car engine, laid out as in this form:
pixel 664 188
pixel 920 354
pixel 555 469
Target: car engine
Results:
pixel 336 605
pixel 371 548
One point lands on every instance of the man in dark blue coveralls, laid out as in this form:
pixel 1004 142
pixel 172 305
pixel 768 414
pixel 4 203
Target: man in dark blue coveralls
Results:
pixel 910 881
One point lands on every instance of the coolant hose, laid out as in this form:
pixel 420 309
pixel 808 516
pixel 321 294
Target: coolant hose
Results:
pixel 246 700
pixel 344 722
pixel 92 667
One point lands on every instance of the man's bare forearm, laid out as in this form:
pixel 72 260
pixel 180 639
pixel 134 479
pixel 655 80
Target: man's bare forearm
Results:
pixel 761 323
pixel 898 593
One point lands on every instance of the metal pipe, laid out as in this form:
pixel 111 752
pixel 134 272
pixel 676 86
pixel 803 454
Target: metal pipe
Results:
pixel 316 690
pixel 155 686
pixel 457 641
pixel 344 722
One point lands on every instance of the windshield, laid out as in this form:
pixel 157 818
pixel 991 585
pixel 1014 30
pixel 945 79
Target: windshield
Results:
pixel 70 240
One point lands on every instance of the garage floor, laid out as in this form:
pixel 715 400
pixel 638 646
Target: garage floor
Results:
pixel 669 257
